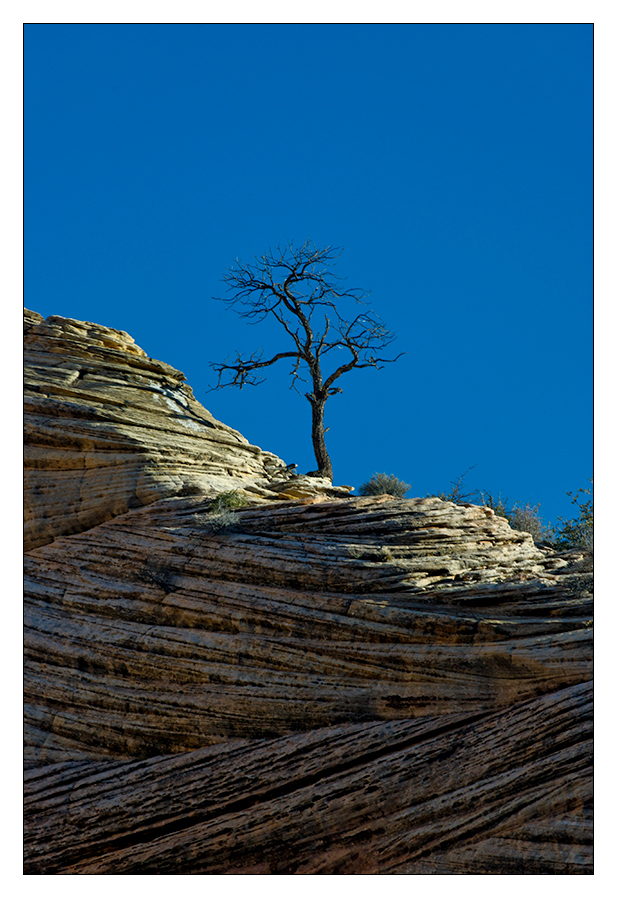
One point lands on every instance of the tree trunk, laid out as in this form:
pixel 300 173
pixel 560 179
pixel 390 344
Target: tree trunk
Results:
pixel 325 469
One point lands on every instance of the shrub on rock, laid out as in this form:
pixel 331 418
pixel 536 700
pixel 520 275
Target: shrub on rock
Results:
pixel 381 483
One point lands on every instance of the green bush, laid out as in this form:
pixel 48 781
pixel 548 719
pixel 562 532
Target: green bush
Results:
pixel 227 500
pixel 577 533
pixel 568 534
pixel 572 534
pixel 381 483
pixel 222 514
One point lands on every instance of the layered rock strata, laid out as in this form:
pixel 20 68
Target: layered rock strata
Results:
pixel 506 792
pixel 109 429
pixel 307 686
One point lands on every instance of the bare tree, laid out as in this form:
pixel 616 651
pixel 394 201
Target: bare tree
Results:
pixel 295 287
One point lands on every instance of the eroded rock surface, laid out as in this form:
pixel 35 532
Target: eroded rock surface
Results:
pixel 109 429
pixel 506 792
pixel 308 686
pixel 304 616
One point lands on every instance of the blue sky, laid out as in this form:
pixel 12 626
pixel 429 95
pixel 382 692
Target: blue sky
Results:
pixel 453 163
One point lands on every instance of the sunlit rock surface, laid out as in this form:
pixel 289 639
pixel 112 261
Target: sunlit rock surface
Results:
pixel 108 429
pixel 310 686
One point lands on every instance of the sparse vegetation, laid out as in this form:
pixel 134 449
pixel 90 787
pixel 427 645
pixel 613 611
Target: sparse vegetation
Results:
pixel 527 518
pixel 567 534
pixel 456 494
pixel 223 513
pixel 381 483
pixel 500 506
pixel 521 517
pixel 578 532
pixel 227 500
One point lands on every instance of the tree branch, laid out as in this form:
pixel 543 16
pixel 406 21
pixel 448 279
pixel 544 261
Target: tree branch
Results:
pixel 243 369
pixel 291 285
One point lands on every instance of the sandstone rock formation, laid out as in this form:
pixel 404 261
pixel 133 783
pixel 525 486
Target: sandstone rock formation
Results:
pixel 109 429
pixel 319 685
pixel 504 793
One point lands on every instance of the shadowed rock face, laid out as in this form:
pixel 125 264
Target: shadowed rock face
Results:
pixel 323 686
pixel 504 792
